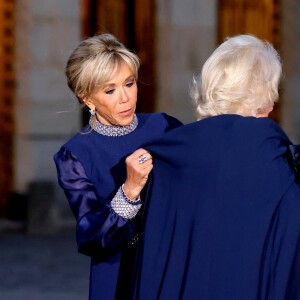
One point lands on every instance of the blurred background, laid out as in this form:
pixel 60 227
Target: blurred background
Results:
pixel 173 38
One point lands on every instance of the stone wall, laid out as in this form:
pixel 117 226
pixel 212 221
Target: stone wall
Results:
pixel 290 52
pixel 46 113
pixel 186 36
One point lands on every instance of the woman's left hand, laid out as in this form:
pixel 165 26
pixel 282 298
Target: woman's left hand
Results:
pixel 139 164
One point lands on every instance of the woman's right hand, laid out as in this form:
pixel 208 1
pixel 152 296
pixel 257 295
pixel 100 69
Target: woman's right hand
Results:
pixel 137 172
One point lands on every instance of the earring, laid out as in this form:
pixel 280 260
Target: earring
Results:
pixel 92 112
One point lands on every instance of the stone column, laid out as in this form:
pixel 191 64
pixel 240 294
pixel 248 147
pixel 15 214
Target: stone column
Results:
pixel 186 37
pixel 46 114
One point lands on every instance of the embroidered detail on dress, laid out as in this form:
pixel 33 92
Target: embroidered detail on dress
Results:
pixel 122 207
pixel 114 130
pixel 134 240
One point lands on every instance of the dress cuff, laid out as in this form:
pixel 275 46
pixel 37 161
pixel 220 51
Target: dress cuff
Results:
pixel 124 206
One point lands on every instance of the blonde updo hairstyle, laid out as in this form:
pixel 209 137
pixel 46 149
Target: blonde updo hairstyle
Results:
pixel 240 77
pixel 91 64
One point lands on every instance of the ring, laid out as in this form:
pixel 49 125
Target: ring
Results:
pixel 142 159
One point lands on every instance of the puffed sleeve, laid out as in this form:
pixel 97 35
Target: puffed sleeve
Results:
pixel 100 230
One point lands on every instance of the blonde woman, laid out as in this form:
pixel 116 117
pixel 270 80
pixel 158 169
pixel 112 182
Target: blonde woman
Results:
pixel 102 169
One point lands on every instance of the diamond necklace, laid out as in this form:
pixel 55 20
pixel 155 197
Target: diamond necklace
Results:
pixel 114 130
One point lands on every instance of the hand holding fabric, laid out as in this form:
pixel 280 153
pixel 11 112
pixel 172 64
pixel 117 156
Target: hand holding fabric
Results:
pixel 139 164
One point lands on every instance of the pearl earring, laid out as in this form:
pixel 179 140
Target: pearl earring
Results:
pixel 92 112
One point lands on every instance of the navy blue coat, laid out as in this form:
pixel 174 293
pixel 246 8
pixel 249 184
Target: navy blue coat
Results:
pixel 222 218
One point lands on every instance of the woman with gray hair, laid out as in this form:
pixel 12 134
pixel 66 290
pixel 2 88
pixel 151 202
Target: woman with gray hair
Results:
pixel 241 77
pixel 228 226
pixel 102 169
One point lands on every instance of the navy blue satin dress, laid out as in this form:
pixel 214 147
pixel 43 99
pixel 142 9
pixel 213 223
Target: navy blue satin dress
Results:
pixel 91 168
pixel 228 227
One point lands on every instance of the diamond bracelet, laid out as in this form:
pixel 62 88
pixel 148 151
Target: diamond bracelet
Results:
pixel 124 206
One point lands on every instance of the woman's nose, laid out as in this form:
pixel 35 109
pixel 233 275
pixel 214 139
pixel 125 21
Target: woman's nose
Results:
pixel 124 96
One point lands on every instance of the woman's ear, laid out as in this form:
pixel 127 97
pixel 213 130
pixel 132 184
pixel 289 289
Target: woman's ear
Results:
pixel 263 112
pixel 88 102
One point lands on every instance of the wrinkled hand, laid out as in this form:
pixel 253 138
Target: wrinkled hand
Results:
pixel 137 173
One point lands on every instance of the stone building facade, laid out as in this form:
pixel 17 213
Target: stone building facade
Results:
pixel 47 114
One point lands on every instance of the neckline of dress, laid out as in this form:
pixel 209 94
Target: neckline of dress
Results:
pixel 114 130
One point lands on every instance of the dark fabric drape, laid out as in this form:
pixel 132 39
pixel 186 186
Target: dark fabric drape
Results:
pixel 222 216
